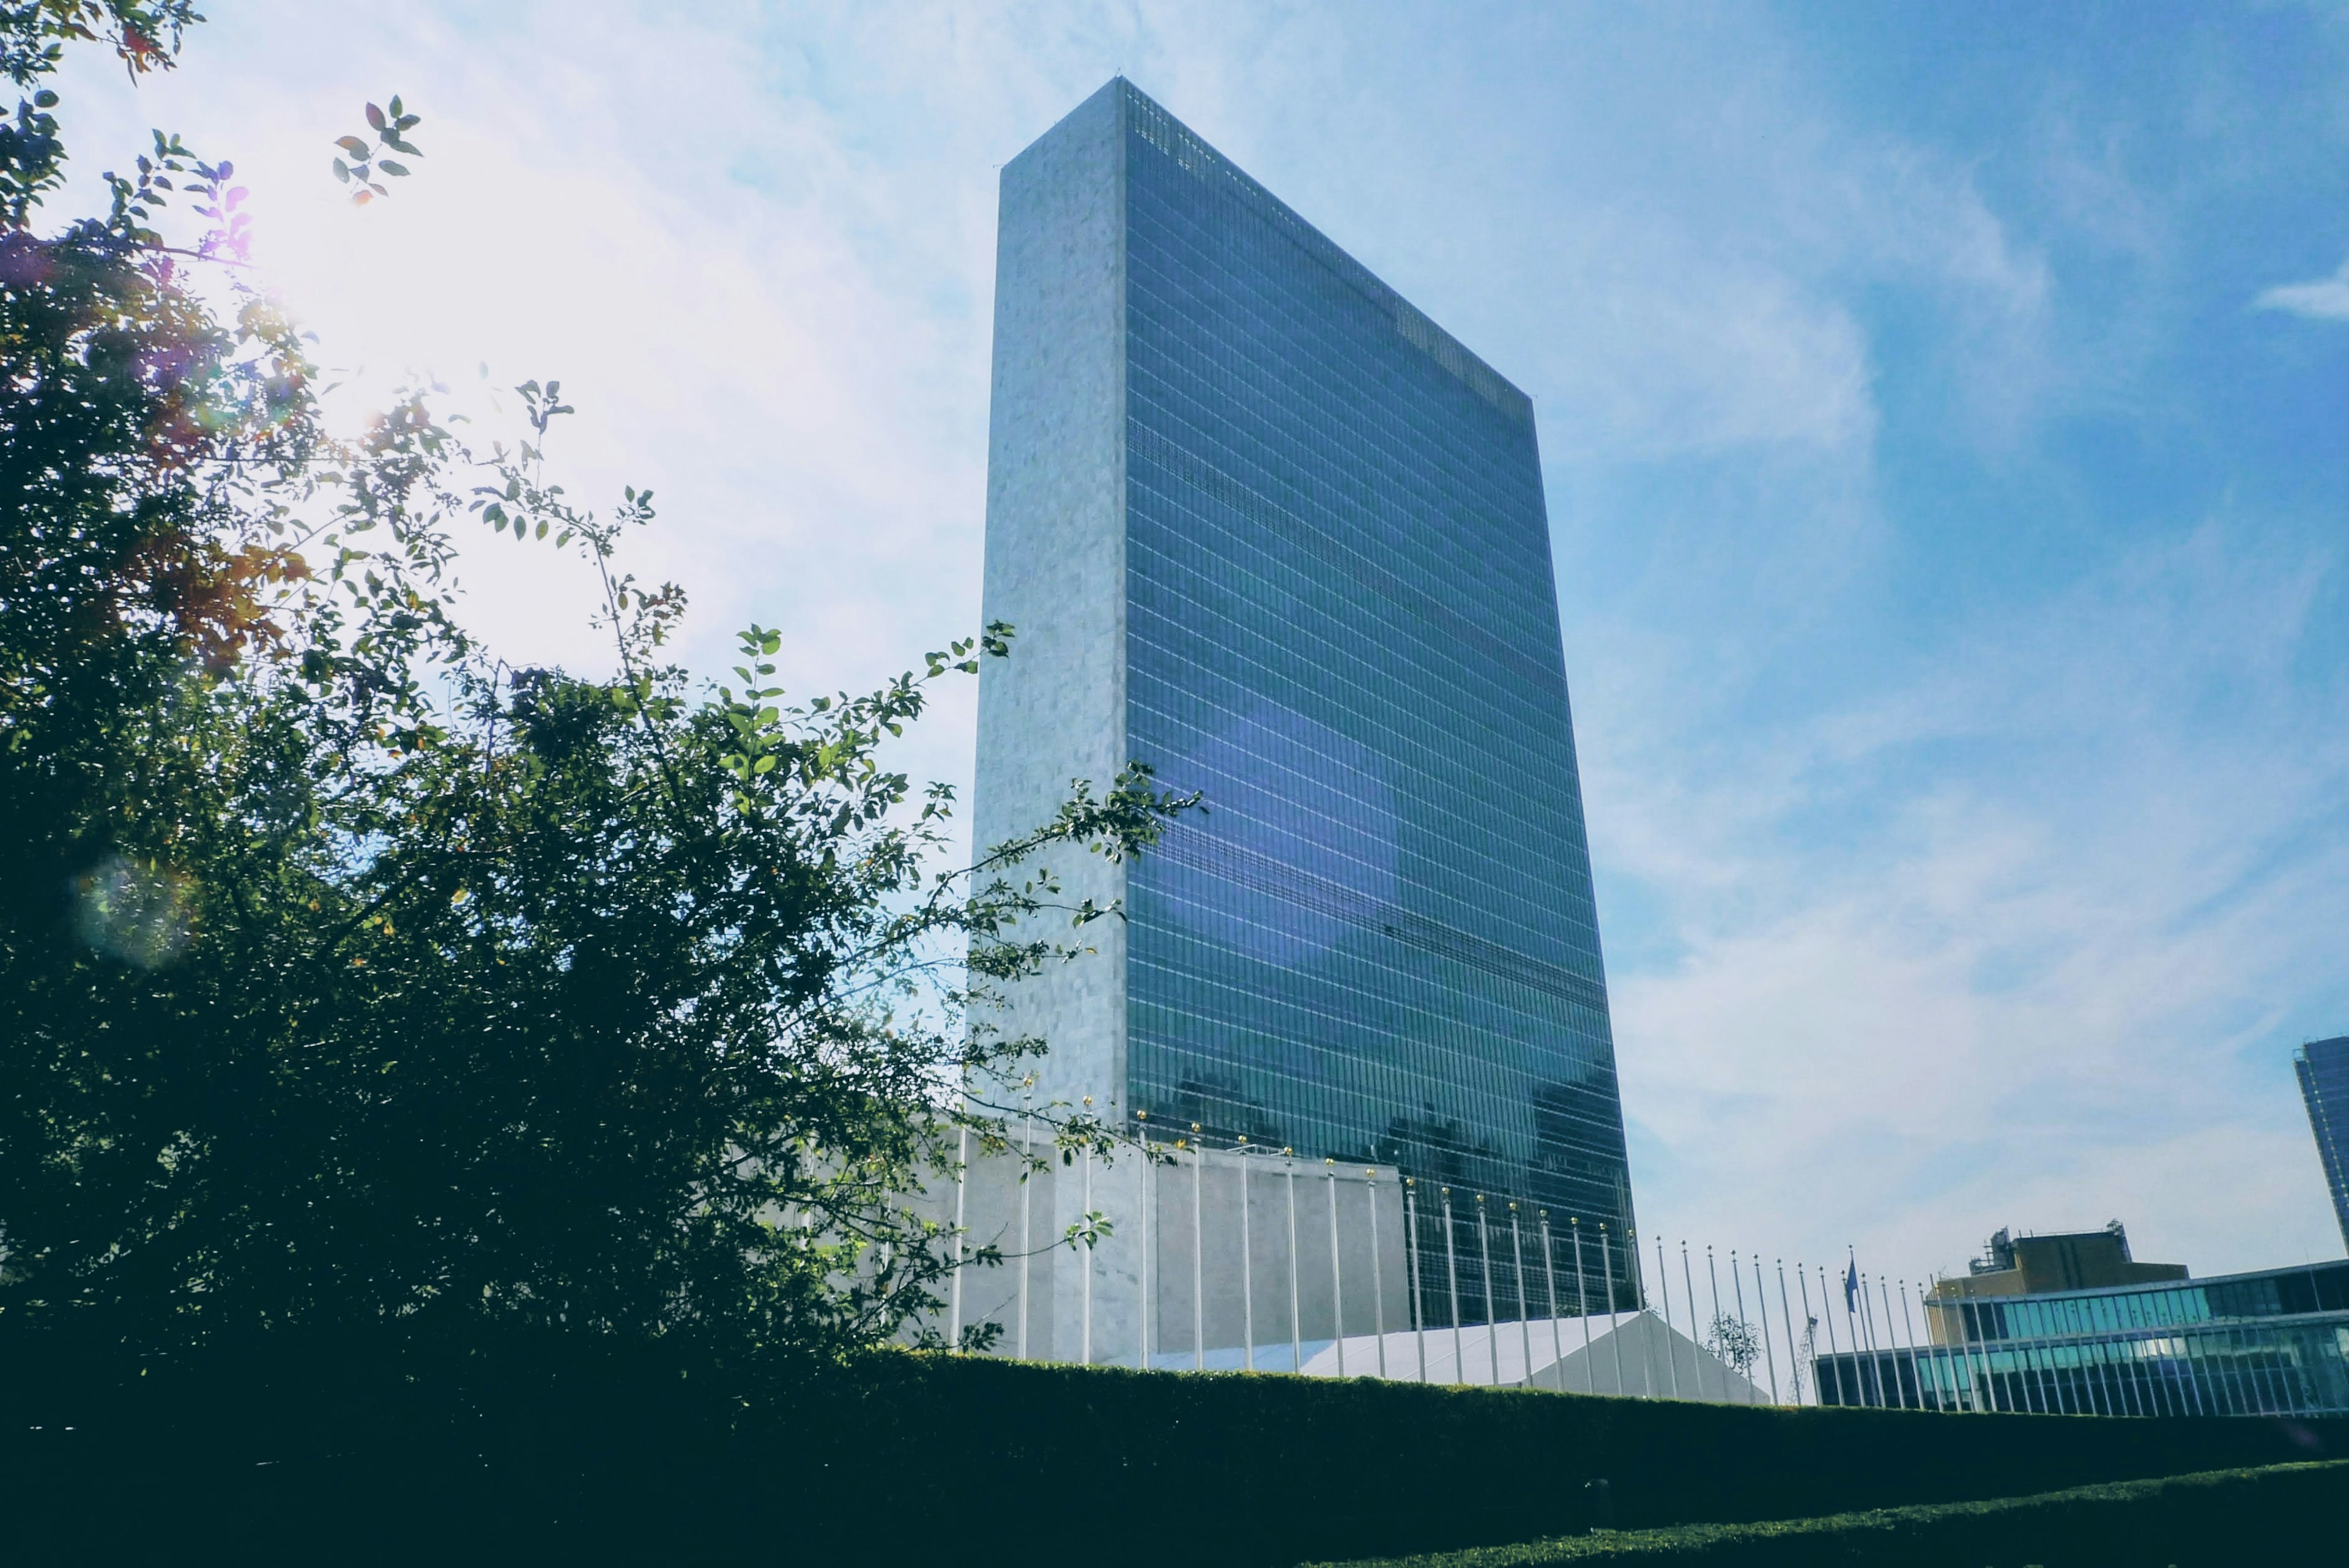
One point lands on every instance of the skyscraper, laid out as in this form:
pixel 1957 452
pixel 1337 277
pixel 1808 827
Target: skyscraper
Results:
pixel 2323 1068
pixel 1262 525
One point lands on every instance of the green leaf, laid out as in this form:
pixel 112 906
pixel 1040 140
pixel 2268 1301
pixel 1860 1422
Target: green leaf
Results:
pixel 359 151
pixel 396 170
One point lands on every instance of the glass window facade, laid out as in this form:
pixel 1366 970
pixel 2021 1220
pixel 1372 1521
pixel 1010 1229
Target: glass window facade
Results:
pixel 1379 941
pixel 2324 1069
pixel 2275 1343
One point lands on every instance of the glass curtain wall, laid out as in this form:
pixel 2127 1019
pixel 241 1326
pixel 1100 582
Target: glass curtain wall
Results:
pixel 1379 942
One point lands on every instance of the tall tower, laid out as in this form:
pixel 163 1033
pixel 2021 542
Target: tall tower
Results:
pixel 2324 1069
pixel 1262 525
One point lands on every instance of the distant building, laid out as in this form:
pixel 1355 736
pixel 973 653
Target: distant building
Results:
pixel 2273 1343
pixel 2323 1068
pixel 2074 1261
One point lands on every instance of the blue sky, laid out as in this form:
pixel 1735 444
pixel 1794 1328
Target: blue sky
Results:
pixel 1946 420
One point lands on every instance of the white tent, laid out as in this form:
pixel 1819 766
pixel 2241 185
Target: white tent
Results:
pixel 1656 1361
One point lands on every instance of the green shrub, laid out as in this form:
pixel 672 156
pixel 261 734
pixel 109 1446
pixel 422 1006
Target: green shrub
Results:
pixel 905 1458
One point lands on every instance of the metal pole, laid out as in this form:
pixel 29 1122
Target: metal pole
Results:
pixel 1296 1336
pixel 1484 1249
pixel 1664 1295
pixel 1908 1326
pixel 1884 1292
pixel 1849 1286
pixel 1874 1356
pixel 1713 1275
pixel 1149 1187
pixel 1086 1295
pixel 1655 1386
pixel 1786 1319
pixel 1549 1278
pixel 1696 1330
pixel 1607 1261
pixel 1377 1277
pixel 962 1182
pixel 1975 1337
pixel 1737 1285
pixel 1582 1303
pixel 1027 1201
pixel 1769 1352
pixel 1518 1260
pixel 1337 1277
pixel 1451 1273
pixel 1411 1245
pixel 1827 1311
pixel 1248 1266
pixel 1199 1251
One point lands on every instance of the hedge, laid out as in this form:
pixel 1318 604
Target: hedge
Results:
pixel 2279 1513
pixel 967 1462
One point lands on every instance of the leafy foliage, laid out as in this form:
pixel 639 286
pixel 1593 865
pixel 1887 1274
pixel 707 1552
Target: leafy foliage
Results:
pixel 352 980
pixel 1733 1340
pixel 361 160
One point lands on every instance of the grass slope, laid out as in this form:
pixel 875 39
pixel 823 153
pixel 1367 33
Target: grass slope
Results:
pixel 2276 1513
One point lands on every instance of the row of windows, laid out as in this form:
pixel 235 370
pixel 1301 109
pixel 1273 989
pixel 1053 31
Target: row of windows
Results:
pixel 1341 624
pixel 1385 489
pixel 1300 545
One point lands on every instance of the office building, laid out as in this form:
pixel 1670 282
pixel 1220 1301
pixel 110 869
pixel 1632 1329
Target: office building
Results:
pixel 2324 1069
pixel 1260 523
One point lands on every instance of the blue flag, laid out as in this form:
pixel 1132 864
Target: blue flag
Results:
pixel 1851 1287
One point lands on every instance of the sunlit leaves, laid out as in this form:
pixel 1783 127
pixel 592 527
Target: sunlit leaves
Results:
pixel 362 160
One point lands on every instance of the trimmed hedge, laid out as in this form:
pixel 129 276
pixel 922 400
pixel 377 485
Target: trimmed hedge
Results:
pixel 913 1457
pixel 2224 1518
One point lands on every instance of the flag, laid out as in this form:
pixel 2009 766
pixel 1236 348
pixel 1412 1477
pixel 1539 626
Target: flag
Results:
pixel 1851 1287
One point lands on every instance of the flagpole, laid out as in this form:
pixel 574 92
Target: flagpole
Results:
pixel 1786 1318
pixel 1336 1276
pixel 1199 1251
pixel 1827 1310
pixel 1910 1326
pixel 1086 1279
pixel 1247 1264
pixel 1492 1330
pixel 1549 1278
pixel 1518 1261
pixel 1582 1300
pixel 1769 1352
pixel 1149 1187
pixel 1712 1277
pixel 1850 1303
pixel 1867 1327
pixel 1652 1384
pixel 1411 1242
pixel 1607 1259
pixel 962 1184
pixel 1664 1295
pixel 1884 1293
pixel 1452 1273
pixel 1027 1199
pixel 1688 1284
pixel 1378 1269
pixel 1296 1334
pixel 1737 1283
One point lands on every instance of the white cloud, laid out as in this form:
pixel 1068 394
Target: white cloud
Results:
pixel 2323 299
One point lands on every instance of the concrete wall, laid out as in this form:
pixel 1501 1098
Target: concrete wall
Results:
pixel 1174 1256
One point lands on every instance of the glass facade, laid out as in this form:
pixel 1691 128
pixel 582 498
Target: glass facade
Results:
pixel 2274 1342
pixel 1379 941
pixel 2324 1069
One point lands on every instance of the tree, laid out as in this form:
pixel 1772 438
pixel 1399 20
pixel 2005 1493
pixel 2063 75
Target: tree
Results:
pixel 354 983
pixel 1733 1340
